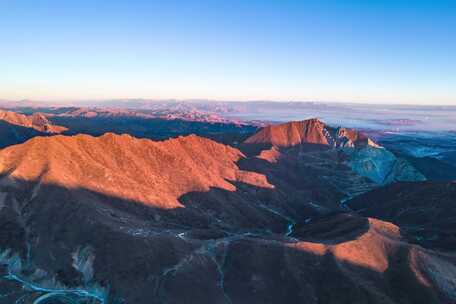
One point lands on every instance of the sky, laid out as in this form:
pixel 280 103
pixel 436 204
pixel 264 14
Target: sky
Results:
pixel 384 51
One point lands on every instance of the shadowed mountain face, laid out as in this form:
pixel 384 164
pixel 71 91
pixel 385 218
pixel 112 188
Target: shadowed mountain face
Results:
pixel 153 128
pixel 430 152
pixel 17 128
pixel 426 212
pixel 115 219
pixel 432 168
pixel 14 134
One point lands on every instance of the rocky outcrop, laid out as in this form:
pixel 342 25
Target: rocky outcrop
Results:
pixel 36 121
pixel 382 166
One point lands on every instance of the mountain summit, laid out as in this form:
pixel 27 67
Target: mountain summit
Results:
pixel 310 131
pixel 361 154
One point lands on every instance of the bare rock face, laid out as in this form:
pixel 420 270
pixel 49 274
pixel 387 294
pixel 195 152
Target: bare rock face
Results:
pixel 292 133
pixel 382 166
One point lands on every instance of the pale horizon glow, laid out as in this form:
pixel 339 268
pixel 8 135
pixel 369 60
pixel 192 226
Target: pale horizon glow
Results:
pixel 349 51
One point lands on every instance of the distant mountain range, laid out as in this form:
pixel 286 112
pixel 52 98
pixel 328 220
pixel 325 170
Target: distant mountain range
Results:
pixel 353 115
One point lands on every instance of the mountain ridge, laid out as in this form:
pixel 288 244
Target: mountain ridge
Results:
pixel 158 171
pixel 36 121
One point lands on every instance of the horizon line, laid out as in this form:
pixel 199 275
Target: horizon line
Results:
pixel 71 101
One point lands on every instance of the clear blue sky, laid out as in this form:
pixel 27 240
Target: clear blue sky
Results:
pixel 392 51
